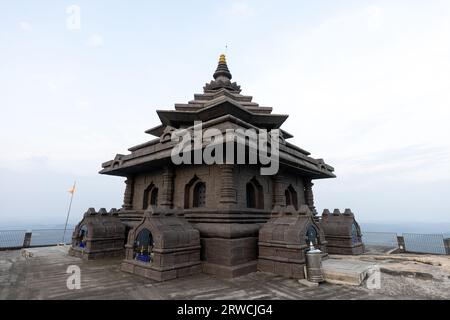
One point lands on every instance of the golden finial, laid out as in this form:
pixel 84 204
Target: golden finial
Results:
pixel 222 59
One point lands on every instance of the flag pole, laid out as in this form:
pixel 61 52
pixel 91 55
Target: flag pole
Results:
pixel 72 191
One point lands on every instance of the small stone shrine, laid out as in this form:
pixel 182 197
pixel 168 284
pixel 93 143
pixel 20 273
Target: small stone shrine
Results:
pixel 163 246
pixel 342 232
pixel 99 235
pixel 285 239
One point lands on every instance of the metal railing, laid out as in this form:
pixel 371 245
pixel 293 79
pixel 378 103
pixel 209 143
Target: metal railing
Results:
pixel 409 242
pixel 12 238
pixel 424 243
pixel 17 239
pixel 47 237
pixel 384 239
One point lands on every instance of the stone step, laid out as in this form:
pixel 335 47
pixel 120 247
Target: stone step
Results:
pixel 346 272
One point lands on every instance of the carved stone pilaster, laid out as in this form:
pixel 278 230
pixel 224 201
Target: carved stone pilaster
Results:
pixel 167 187
pixel 129 193
pixel 278 192
pixel 309 196
pixel 227 189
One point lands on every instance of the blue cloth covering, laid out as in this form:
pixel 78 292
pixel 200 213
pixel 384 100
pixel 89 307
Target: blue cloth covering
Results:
pixel 143 258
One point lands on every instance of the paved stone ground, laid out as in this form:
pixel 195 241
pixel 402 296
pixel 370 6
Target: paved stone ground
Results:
pixel 418 276
pixel 44 276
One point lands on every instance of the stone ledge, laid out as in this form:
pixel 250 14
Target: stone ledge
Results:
pixel 228 271
pixel 346 272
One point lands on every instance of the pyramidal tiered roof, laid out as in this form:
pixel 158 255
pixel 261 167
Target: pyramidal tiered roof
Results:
pixel 219 97
pixel 221 102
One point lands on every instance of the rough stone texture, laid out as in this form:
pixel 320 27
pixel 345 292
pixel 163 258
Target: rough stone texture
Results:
pixel 308 283
pixel 418 276
pixel 105 235
pixel 346 272
pixel 176 247
pixel 342 232
pixel 44 276
pixel 283 241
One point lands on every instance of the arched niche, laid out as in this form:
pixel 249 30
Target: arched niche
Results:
pixel 150 197
pixel 143 246
pixel 254 194
pixel 312 235
pixel 199 195
pixel 195 193
pixel 291 197
pixel 82 236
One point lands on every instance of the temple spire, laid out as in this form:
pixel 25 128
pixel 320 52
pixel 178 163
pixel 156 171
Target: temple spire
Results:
pixel 222 78
pixel 222 69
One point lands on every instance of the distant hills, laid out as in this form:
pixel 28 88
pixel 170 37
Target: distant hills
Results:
pixel 397 227
pixel 407 227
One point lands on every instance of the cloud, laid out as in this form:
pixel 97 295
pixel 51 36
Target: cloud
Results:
pixel 374 17
pixel 366 88
pixel 83 104
pixel 405 164
pixel 359 91
pixel 95 40
pixel 241 9
pixel 25 26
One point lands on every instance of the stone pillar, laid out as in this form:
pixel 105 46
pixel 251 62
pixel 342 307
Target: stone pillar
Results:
pixel 128 195
pixel 447 245
pixel 227 188
pixel 401 243
pixel 309 196
pixel 167 188
pixel 27 240
pixel 278 191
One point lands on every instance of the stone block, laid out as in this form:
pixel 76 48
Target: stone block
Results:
pixel 347 272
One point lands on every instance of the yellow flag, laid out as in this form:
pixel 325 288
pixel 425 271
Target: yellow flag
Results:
pixel 72 191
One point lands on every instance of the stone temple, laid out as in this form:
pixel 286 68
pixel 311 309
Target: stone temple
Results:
pixel 222 219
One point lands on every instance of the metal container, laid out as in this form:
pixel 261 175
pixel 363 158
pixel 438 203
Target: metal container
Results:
pixel 314 265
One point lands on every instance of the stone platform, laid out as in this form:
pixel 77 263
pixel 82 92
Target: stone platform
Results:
pixel 44 276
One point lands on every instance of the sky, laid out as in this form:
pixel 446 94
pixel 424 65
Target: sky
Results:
pixel 366 85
